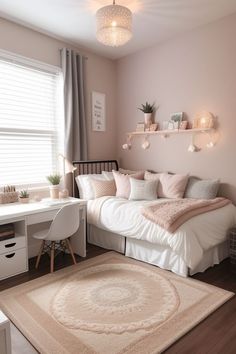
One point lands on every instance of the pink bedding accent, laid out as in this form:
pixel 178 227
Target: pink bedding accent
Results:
pixel 171 186
pixel 171 214
pixel 123 186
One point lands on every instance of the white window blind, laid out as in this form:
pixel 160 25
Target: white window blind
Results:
pixel 31 127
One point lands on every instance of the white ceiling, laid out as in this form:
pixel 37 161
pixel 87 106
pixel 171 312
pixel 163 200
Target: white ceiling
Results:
pixel 153 20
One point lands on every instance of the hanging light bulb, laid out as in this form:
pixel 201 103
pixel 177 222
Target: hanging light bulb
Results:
pixel 192 147
pixel 114 25
pixel 127 145
pixel 145 144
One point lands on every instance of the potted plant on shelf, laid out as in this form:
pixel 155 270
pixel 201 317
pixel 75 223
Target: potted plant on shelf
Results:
pixel 54 179
pixel 147 109
pixel 24 196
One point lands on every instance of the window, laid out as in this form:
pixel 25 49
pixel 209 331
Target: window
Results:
pixel 31 117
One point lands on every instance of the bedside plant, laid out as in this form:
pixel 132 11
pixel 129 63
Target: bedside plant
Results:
pixel 147 109
pixel 54 179
pixel 24 196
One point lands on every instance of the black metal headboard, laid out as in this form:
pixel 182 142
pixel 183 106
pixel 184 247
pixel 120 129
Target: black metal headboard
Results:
pixel 91 167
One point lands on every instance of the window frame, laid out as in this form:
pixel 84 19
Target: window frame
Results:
pixel 41 66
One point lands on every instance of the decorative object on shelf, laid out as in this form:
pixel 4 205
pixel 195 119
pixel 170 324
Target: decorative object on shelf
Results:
pixel 147 109
pixel 9 195
pixel 24 196
pixel 98 112
pixel 54 179
pixel 203 120
pixel 183 125
pixel 114 25
pixel 153 127
pixel 165 124
pixel 145 144
pixel 176 119
pixel 140 127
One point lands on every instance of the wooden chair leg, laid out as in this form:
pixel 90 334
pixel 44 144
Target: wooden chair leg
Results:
pixel 40 254
pixel 71 250
pixel 52 256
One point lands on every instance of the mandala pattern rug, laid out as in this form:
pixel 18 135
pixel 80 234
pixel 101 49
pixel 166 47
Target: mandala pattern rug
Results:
pixel 109 305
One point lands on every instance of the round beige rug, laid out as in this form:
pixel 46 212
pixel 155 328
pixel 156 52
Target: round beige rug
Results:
pixel 114 298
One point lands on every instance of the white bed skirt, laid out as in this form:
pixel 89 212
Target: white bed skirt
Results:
pixel 155 254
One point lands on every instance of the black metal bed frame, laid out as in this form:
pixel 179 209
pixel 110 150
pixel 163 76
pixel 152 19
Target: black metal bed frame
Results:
pixel 92 167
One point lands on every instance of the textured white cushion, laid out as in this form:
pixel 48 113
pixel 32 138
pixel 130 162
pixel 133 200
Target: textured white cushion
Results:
pixel 202 188
pixel 85 187
pixel 103 188
pixel 108 175
pixel 123 183
pixel 143 190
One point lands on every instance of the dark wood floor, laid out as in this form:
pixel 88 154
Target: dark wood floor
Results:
pixel 216 334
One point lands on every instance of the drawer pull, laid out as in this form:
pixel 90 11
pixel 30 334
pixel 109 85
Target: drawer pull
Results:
pixel 10 255
pixel 10 245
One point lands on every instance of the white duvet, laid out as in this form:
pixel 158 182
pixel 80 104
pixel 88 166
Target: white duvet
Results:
pixel 195 236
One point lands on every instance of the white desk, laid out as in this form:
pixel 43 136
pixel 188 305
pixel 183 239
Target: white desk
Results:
pixel 14 252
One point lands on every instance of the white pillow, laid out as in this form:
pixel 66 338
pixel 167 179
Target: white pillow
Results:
pixel 128 172
pixel 108 175
pixel 143 190
pixel 84 183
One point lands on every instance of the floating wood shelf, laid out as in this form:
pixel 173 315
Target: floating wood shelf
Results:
pixel 165 133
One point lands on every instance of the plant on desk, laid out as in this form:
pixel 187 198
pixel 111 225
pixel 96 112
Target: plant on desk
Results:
pixel 24 196
pixel 54 179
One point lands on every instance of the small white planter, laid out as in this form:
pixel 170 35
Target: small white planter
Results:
pixel 54 191
pixel 147 120
pixel 24 200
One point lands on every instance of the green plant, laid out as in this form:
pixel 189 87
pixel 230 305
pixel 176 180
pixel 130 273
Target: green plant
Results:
pixel 24 194
pixel 54 178
pixel 147 108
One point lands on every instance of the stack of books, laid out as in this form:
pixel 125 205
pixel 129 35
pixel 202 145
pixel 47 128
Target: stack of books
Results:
pixel 6 231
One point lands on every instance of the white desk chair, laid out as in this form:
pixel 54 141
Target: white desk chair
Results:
pixel 65 224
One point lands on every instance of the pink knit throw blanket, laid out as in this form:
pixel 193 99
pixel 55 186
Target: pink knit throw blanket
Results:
pixel 171 214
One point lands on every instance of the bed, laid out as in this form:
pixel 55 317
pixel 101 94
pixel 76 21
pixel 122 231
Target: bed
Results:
pixel 196 245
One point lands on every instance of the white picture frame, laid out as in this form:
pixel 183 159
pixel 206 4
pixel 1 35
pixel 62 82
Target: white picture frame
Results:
pixel 98 112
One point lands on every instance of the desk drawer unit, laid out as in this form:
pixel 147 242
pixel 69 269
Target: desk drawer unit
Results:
pixel 12 244
pixel 41 217
pixel 13 262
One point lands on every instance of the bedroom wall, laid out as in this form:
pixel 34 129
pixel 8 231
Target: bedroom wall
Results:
pixel 100 75
pixel 190 73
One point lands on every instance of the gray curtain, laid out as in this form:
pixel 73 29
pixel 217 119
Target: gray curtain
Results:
pixel 76 147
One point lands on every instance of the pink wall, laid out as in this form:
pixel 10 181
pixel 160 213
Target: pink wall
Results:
pixel 193 72
pixel 100 73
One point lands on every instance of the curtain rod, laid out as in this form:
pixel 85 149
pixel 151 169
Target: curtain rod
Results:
pixel 85 57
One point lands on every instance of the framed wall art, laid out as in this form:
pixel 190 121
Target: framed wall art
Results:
pixel 98 112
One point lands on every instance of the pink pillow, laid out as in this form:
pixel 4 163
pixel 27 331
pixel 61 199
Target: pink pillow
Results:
pixel 123 183
pixel 171 186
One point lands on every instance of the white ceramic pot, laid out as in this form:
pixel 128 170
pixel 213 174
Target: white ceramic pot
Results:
pixel 54 191
pixel 24 200
pixel 147 119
